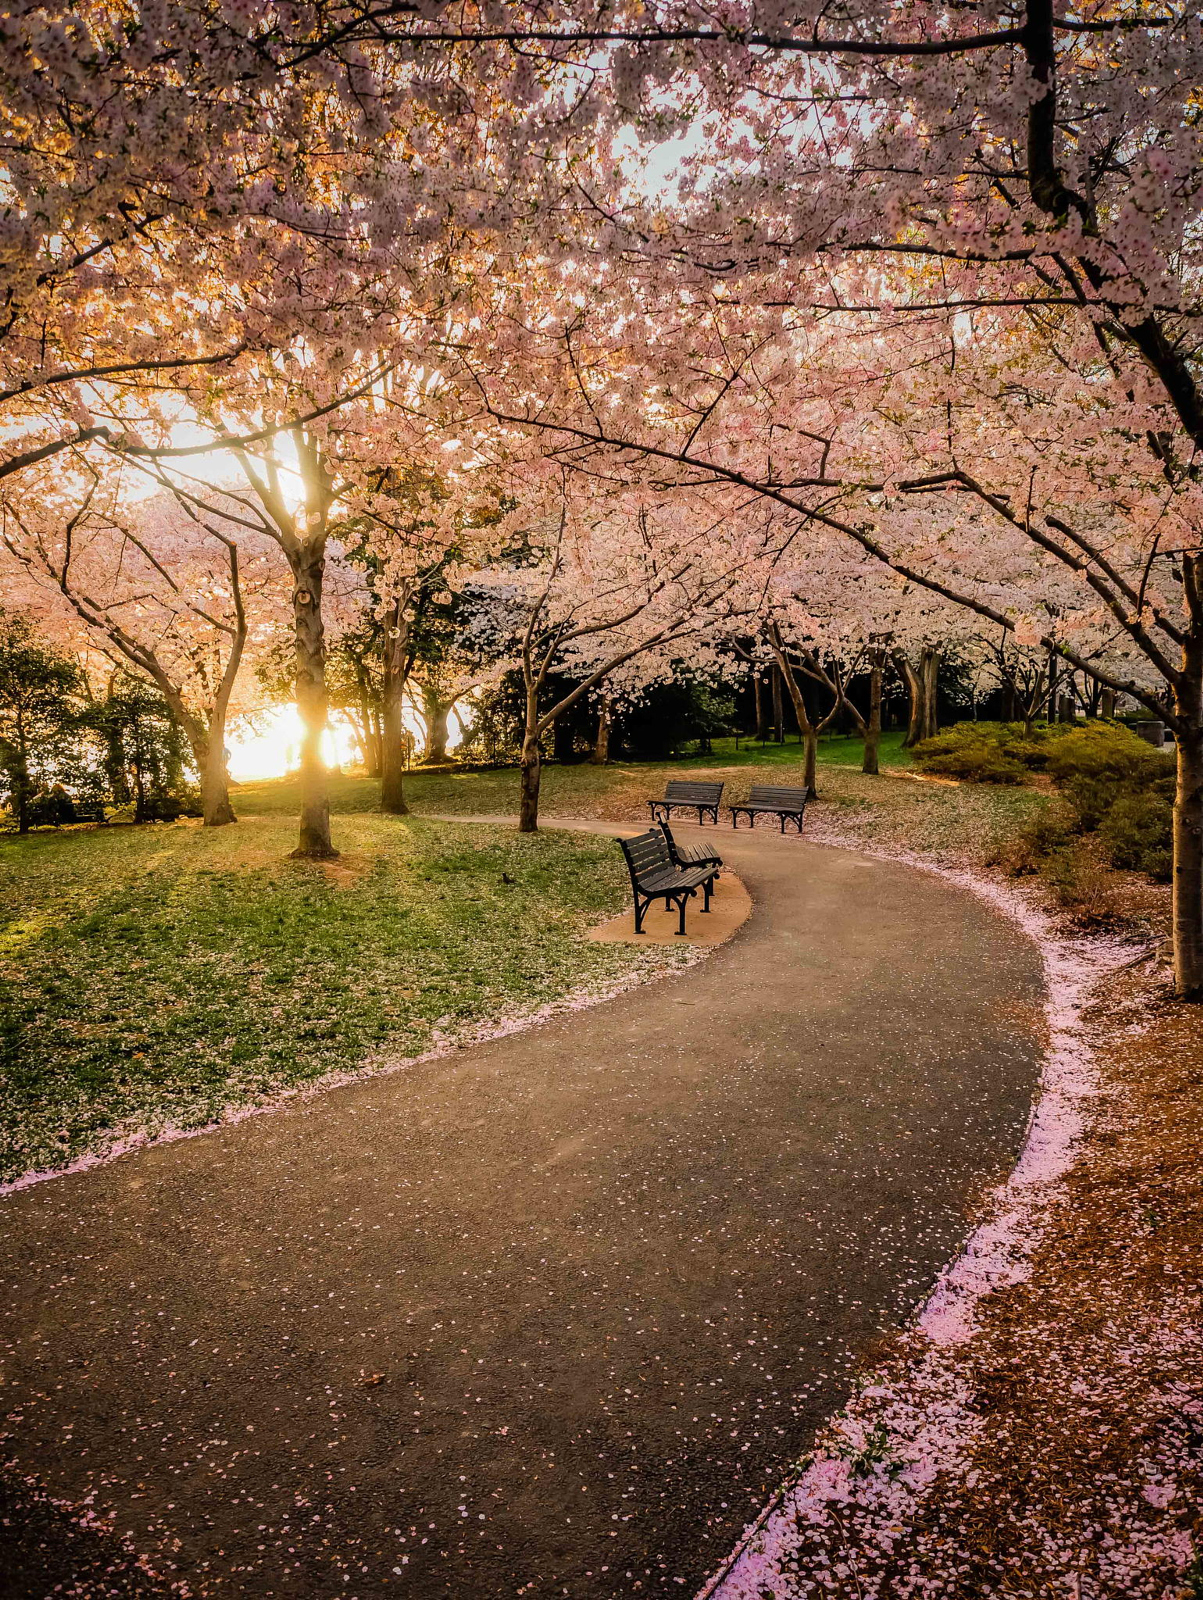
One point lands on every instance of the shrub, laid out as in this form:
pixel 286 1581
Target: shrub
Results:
pixel 1137 831
pixel 1048 832
pixel 982 752
pixel 1094 766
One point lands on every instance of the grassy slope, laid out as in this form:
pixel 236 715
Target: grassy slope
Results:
pixel 971 820
pixel 152 976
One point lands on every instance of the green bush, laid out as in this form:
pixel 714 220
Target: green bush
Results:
pixel 1095 765
pixel 983 752
pixel 1137 831
pixel 1108 778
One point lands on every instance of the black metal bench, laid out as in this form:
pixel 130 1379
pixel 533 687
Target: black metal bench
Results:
pixel 689 855
pixel 682 796
pixel 654 877
pixel 765 799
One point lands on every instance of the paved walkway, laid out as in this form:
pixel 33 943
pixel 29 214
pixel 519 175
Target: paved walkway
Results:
pixel 550 1316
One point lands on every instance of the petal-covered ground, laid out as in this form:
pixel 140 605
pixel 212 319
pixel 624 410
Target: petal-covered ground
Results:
pixel 550 1315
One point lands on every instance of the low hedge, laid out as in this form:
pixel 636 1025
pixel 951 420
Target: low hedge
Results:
pixel 1112 781
pixel 983 752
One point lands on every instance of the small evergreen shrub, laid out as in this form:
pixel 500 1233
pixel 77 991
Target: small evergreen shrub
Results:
pixel 1137 831
pixel 983 752
pixel 1109 780
pixel 1095 765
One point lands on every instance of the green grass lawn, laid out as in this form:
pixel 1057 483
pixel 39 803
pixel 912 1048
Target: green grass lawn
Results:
pixel 581 790
pixel 967 822
pixel 153 976
pixel 835 750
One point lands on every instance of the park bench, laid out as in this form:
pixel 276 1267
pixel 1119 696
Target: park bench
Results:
pixel 788 804
pixel 654 877
pixel 683 796
pixel 689 855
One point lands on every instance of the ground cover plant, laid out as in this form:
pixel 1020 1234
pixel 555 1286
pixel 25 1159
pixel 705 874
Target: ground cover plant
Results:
pixel 154 977
pixel 1110 807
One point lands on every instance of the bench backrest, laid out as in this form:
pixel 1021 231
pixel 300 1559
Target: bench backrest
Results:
pixel 647 855
pixel 693 794
pixel 765 794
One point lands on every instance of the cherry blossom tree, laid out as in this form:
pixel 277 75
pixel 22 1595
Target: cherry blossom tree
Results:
pixel 160 587
pixel 601 581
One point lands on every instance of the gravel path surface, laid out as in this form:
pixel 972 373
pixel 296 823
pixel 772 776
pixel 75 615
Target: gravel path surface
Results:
pixel 549 1316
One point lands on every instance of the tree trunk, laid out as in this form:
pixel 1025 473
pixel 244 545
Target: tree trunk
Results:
pixel 930 672
pixel 392 720
pixel 139 791
pixel 873 727
pixel 370 738
pixel 810 761
pixel 778 708
pixel 1009 701
pixel 600 753
pixel 215 782
pixel 1107 704
pixel 531 771
pixel 914 702
pixel 762 716
pixel 438 731
pixel 1188 825
pixel 1051 709
pixel 308 571
pixel 810 733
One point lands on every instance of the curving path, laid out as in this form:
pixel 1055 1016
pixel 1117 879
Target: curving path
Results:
pixel 550 1316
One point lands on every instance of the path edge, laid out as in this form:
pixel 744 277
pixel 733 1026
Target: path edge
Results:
pixel 997 1250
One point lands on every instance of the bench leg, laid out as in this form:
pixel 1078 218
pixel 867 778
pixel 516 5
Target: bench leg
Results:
pixel 640 913
pixel 706 888
pixel 681 899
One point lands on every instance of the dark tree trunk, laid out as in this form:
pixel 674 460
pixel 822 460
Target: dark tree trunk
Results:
pixel 930 671
pixel 438 731
pixel 762 715
pixel 393 733
pixel 914 702
pixel 873 727
pixel 1188 815
pixel 778 708
pixel 1107 704
pixel 530 773
pixel 370 739
pixel 308 571
pixel 600 753
pixel 16 761
pixel 139 791
pixel 1010 708
pixel 810 733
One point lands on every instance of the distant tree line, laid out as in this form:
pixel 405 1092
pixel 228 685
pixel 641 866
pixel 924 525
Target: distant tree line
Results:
pixel 73 750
